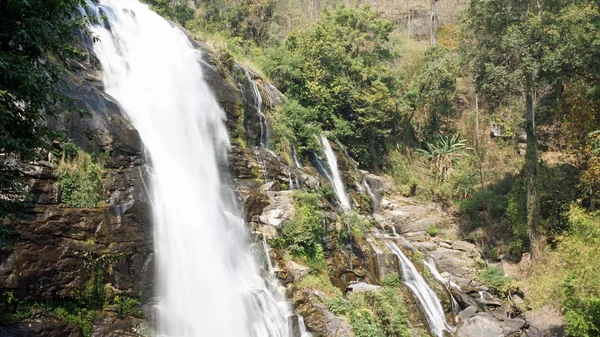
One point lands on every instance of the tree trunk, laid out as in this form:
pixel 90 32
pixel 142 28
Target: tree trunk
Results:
pixel 531 163
pixel 432 33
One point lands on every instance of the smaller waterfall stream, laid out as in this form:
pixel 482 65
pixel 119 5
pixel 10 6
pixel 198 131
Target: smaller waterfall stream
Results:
pixel 335 177
pixel 427 298
pixel 264 128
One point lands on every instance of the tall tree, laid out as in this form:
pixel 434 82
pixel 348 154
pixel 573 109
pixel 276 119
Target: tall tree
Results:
pixel 513 42
pixel 36 42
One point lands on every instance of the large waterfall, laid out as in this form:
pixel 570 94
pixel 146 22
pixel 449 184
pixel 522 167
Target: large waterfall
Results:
pixel 208 282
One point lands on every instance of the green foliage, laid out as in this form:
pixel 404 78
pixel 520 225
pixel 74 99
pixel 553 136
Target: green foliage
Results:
pixel 337 305
pixel 443 153
pixel 379 313
pixel 437 89
pixel 248 20
pixel 494 278
pixel 80 181
pixel 338 68
pixel 8 237
pixel 84 318
pixel 432 230
pixel 128 306
pixel 32 86
pixel 299 125
pixel 399 170
pixel 356 225
pixel 12 309
pixel 391 280
pixel 176 12
pixel 582 313
pixel 304 233
pixel 320 282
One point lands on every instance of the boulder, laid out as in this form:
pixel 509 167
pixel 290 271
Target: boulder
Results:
pixel 547 320
pixel 469 312
pixel 318 319
pixel 480 325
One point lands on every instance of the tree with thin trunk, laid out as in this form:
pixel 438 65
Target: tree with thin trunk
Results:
pixel 510 46
pixel 432 23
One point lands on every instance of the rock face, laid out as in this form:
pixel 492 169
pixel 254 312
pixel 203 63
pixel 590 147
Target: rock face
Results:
pixel 63 252
pixel 40 326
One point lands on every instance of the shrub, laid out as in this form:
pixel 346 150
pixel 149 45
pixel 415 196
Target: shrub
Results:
pixel 494 278
pixel 337 305
pixel 128 306
pixel 80 180
pixel 443 152
pixel 379 313
pixel 391 280
pixel 320 282
pixel 303 234
pixel 432 230
pixel 398 168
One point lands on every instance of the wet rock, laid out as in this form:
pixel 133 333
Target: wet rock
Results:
pixel 109 326
pixel 106 128
pixel 318 319
pixel 40 326
pixel 77 237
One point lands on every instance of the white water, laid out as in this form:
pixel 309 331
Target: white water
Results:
pixel 335 178
pixel 264 129
pixel 208 282
pixel 425 295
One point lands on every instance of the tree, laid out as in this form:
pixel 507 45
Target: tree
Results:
pixel 338 67
pixel 514 41
pixel 36 42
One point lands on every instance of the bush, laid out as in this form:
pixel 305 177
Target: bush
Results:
pixel 80 180
pixel 494 278
pixel 391 280
pixel 379 313
pixel 398 168
pixel 432 230
pixel 128 306
pixel 304 233
pixel 337 305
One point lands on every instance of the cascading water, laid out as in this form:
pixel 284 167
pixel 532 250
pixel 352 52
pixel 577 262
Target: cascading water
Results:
pixel 335 178
pixel 434 312
pixel 208 282
pixel 264 128
pixel 365 184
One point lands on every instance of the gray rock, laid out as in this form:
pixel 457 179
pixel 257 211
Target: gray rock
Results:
pixel 548 320
pixel 480 325
pixel 469 312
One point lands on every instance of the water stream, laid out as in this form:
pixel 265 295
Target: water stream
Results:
pixel 335 177
pixel 427 298
pixel 209 284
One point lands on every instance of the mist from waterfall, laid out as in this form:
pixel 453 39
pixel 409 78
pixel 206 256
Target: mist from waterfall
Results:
pixel 208 282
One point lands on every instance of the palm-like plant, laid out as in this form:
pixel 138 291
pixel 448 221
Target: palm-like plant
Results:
pixel 443 152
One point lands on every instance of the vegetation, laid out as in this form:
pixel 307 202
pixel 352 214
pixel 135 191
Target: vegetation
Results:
pixel 377 313
pixel 32 86
pixel 80 179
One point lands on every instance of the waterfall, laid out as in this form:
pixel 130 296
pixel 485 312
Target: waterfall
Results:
pixel 426 297
pixel 335 178
pixel 208 282
pixel 365 184
pixel 258 102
